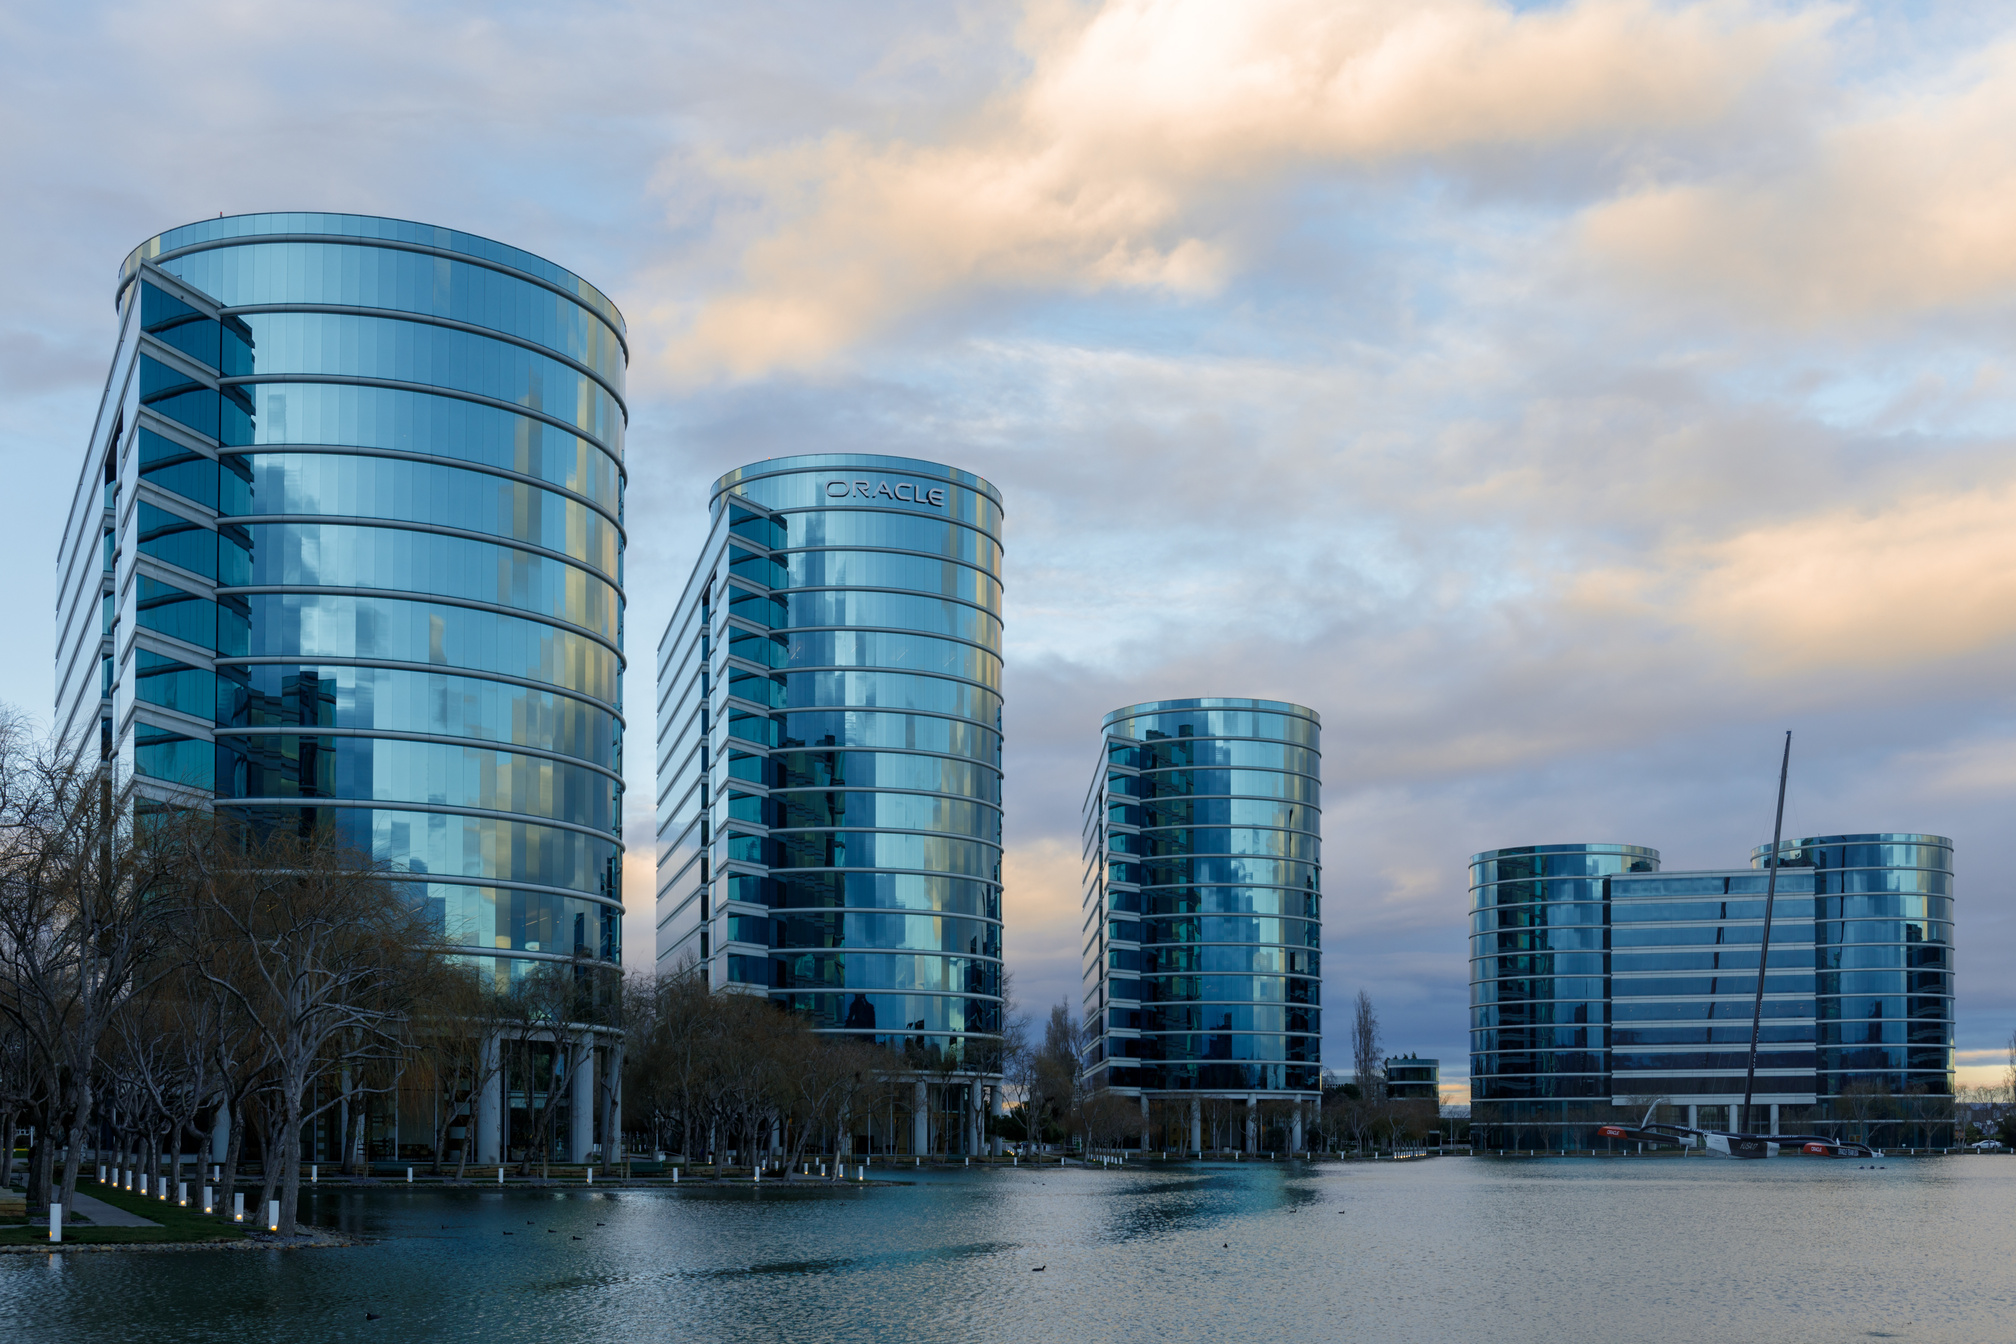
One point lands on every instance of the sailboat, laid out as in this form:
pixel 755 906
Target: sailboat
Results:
pixel 1741 1143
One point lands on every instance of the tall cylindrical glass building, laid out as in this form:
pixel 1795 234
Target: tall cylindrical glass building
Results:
pixel 829 759
pixel 1203 906
pixel 354 504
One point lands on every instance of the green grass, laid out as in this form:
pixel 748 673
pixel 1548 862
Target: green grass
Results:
pixel 177 1224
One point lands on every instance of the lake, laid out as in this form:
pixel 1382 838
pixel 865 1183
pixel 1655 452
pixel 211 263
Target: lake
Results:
pixel 1555 1250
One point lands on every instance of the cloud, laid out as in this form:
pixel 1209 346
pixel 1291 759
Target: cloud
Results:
pixel 1921 581
pixel 1146 128
pixel 1903 207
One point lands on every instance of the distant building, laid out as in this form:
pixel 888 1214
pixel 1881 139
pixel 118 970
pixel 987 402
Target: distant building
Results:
pixel 1202 914
pixel 1602 986
pixel 1411 1078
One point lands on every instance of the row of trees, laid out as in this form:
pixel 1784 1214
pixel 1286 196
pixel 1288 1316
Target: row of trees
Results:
pixel 161 968
pixel 1357 1115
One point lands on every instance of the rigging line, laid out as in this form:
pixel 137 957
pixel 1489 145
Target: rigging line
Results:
pixel 1764 951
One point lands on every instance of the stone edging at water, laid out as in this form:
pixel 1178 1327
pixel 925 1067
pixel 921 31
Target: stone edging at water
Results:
pixel 316 1240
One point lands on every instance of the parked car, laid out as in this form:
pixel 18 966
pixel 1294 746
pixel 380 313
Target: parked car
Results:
pixel 1988 1145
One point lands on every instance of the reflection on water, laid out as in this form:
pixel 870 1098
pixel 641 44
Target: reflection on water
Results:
pixel 1560 1251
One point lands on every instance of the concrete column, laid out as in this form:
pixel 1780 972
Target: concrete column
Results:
pixel 489 1116
pixel 1774 1117
pixel 1693 1117
pixel 1295 1130
pixel 996 1107
pixel 583 1099
pixel 1252 1123
pixel 920 1121
pixel 1196 1126
pixel 1144 1122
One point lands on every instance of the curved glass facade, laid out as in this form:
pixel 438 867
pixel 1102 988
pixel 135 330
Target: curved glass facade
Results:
pixel 363 516
pixel 829 752
pixel 1883 961
pixel 1539 988
pixel 1203 908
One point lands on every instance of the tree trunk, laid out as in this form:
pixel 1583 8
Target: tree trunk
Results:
pixel 7 1132
pixel 290 1167
pixel 73 1155
pixel 269 1165
pixel 39 1153
pixel 358 1111
pixel 234 1147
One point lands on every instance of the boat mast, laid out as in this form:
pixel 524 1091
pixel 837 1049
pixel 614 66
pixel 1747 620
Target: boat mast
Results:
pixel 1764 950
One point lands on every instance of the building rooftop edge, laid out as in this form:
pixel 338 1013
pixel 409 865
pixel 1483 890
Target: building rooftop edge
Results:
pixel 1587 847
pixel 777 466
pixel 1210 702
pixel 446 238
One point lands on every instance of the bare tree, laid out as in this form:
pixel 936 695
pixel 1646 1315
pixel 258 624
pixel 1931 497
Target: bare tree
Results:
pixel 1365 1054
pixel 87 891
pixel 329 953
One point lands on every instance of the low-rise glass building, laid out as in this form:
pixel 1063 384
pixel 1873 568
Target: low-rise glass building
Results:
pixel 1603 986
pixel 1202 930
pixel 829 765
pixel 1411 1078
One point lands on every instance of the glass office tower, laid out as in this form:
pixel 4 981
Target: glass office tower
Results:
pixel 1202 928
pixel 829 757
pixel 347 552
pixel 1602 986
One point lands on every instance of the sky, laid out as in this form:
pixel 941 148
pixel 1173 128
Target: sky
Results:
pixel 1564 400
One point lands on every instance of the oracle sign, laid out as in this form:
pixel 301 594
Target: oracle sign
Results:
pixel 906 492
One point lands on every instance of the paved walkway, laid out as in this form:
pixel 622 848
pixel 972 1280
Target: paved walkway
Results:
pixel 102 1214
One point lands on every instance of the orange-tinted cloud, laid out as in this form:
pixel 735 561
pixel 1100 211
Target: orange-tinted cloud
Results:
pixel 1908 208
pixel 1143 124
pixel 1920 580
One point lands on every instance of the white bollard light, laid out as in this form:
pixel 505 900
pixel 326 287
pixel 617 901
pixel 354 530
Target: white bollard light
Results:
pixel 272 1215
pixel 591 1175
pixel 675 1175
pixel 101 1173
pixel 759 1175
pixel 182 1194
pixel 238 1207
pixel 216 1175
pixel 409 1175
pixel 500 1175
pixel 206 1199
pixel 314 1175
pixel 55 1222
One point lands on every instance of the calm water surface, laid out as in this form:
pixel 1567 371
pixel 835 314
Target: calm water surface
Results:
pixel 1562 1251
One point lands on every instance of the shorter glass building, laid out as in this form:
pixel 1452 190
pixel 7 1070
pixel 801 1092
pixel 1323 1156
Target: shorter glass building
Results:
pixel 1411 1078
pixel 1202 928
pixel 1602 986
